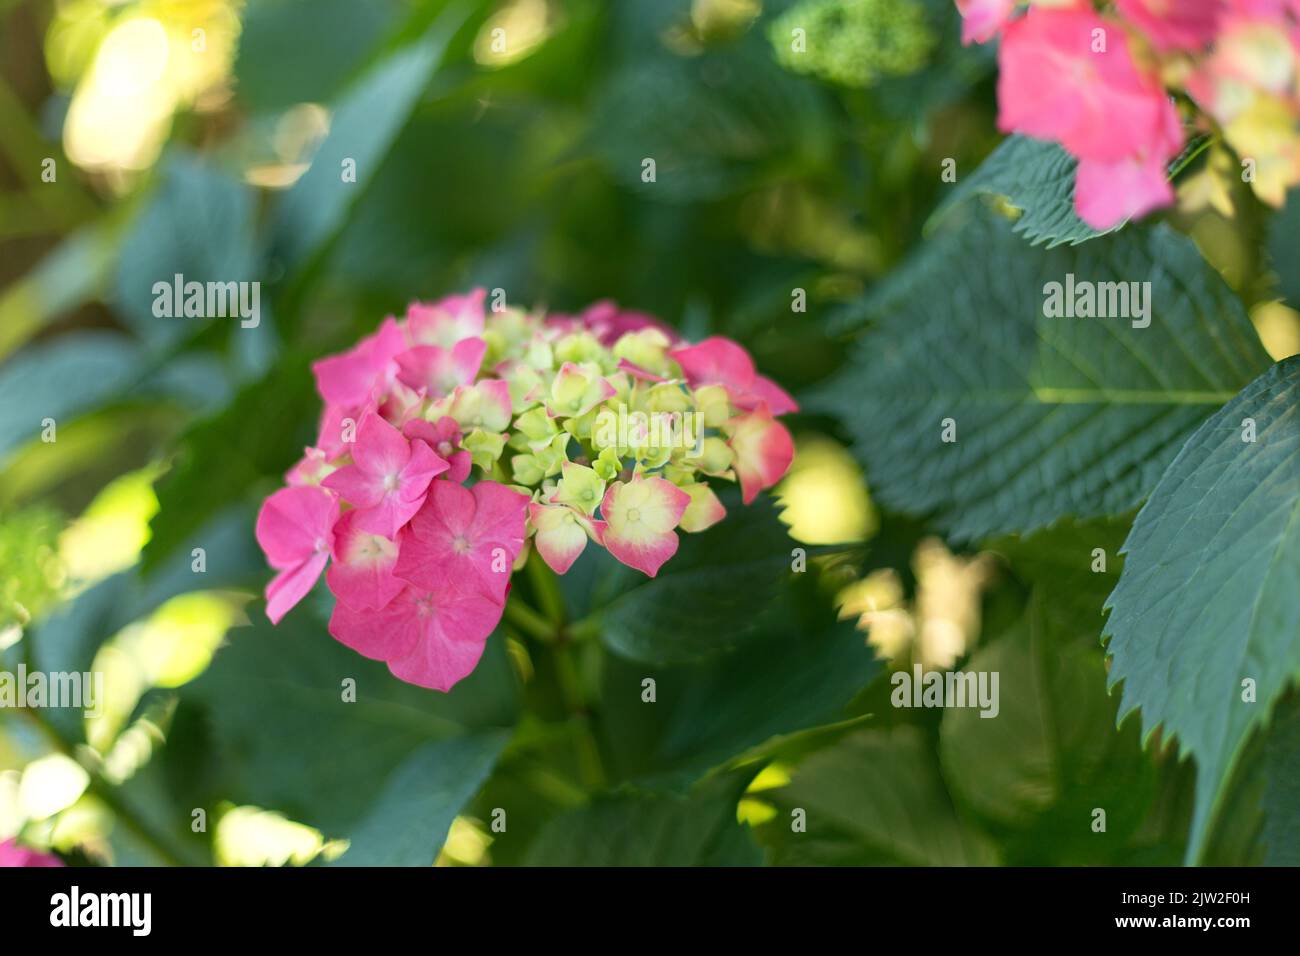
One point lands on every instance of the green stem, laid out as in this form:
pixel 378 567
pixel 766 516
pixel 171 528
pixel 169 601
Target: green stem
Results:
pixel 547 586
pixel 529 621
pixel 589 763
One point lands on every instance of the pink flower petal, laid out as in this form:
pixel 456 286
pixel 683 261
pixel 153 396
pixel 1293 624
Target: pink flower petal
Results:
pixel 982 19
pixel 361 575
pixel 349 378
pixel 763 450
pixel 292 585
pixel 296 523
pixel 562 534
pixel 438 370
pixel 1175 24
pixel 446 321
pixel 717 361
pixel 14 855
pixel 1052 85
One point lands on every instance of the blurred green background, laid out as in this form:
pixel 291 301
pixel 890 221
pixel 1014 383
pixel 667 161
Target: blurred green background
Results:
pixel 498 144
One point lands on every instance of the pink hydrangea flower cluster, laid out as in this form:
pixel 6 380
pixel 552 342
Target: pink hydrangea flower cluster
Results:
pixel 456 439
pixel 1098 84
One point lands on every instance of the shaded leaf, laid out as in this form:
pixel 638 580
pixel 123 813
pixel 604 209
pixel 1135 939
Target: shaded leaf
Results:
pixel 1054 417
pixel 407 824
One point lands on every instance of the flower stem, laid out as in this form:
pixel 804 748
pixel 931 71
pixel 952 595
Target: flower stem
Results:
pixel 529 621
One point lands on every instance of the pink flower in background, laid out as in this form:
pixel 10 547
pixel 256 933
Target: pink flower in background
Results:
pixel 431 469
pixel 388 477
pixel 982 19
pixel 640 516
pixel 14 854
pixel 295 529
pixel 1069 76
pixel 1175 24
pixel 465 537
pixel 1095 84
pixel 429 638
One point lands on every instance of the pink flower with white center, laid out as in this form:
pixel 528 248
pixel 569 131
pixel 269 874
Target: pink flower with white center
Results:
pixel 464 537
pixel 982 19
pixel 1175 24
pixel 388 478
pixel 443 437
pixel 361 575
pixel 562 533
pixel 763 451
pixel 447 321
pixel 704 511
pixel 439 370
pixel 1069 76
pixel 350 379
pixel 640 516
pixel 428 638
pixel 14 854
pixel 720 361
pixel 295 531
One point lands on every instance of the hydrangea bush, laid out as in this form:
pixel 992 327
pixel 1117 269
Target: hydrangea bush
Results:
pixel 455 440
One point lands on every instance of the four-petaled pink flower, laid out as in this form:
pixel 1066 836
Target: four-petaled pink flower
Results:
pixel 388 477
pixel 295 529
pixel 428 638
pixel 464 537
pixel 720 361
pixel 640 516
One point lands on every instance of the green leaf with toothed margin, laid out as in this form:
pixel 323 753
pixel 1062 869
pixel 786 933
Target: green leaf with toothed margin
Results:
pixel 1209 593
pixel 1053 416
pixel 1036 178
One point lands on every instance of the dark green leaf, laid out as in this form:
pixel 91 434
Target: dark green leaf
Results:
pixel 1050 757
pixel 1206 602
pixel 409 821
pixel 710 596
pixel 875 797
pixel 1053 417
pixel 637 829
